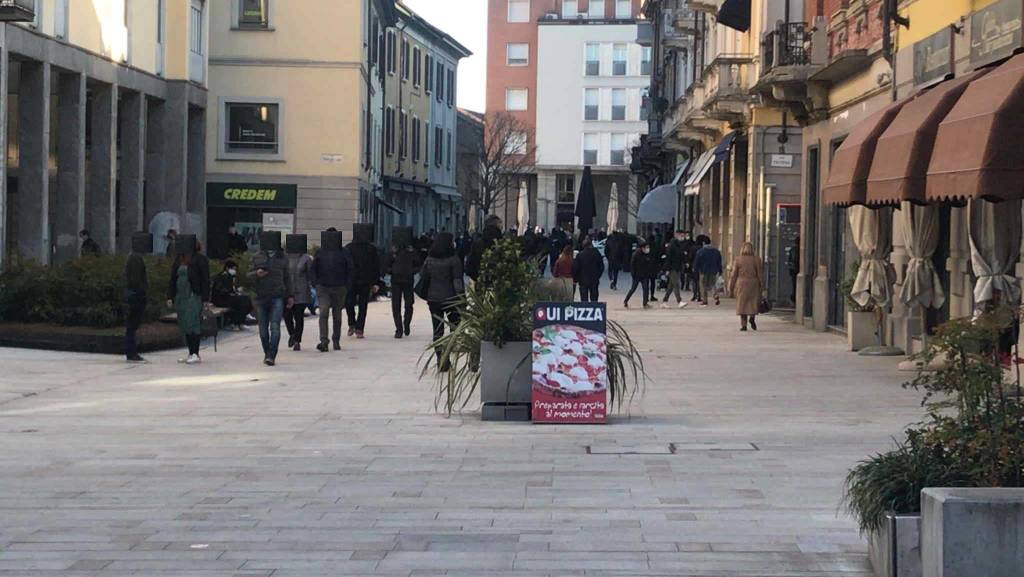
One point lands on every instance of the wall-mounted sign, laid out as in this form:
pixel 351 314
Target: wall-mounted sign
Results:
pixel 282 222
pixel 220 194
pixel 570 363
pixel 332 158
pixel 996 31
pixel 933 57
pixel 781 160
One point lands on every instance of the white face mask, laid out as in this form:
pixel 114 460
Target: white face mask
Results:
pixel 232 272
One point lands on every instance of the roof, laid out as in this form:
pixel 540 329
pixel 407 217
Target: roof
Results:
pixel 405 13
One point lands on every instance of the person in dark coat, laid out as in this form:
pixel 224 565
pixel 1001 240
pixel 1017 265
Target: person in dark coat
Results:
pixel 613 252
pixel 587 270
pixel 491 234
pixel 403 264
pixel 236 242
pixel 136 281
pixel 226 295
pixel 689 252
pixel 793 264
pixel 675 263
pixel 89 246
pixel 366 274
pixel 332 276
pixel 442 272
pixel 708 265
pixel 187 291
pixel 272 286
pixel 556 243
pixel 644 268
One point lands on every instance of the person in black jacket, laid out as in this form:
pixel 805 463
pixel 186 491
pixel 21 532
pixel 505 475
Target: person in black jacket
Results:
pixel 403 263
pixel 613 252
pixel 644 269
pixel 226 295
pixel 365 275
pixel 332 276
pixel 89 246
pixel 675 263
pixel 491 234
pixel 587 270
pixel 136 283
pixel 236 242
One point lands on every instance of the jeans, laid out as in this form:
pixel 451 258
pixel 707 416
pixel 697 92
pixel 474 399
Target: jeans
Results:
pixel 589 294
pixel 638 282
pixel 133 320
pixel 400 292
pixel 674 286
pixel 295 321
pixel 269 312
pixel 332 300
pixel 359 297
pixel 708 283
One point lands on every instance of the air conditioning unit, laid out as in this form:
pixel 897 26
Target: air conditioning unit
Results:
pixel 551 16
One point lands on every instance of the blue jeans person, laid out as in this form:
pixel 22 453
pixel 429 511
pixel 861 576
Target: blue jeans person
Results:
pixel 269 313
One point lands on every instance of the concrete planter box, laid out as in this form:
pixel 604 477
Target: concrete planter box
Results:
pixel 503 399
pixel 860 330
pixel 972 532
pixel 895 549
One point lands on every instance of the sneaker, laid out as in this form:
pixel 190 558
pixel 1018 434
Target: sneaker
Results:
pixel 193 360
pixel 664 305
pixel 398 334
pixel 322 347
pixel 683 304
pixel 718 302
pixel 136 359
pixel 359 335
pixel 291 342
pixel 269 362
pixel 703 305
pixel 182 360
pixel 743 329
pixel 647 306
pixel 351 332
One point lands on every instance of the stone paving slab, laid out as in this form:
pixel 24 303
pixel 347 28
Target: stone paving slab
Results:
pixel 731 465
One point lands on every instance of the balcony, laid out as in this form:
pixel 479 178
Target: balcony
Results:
pixel 727 87
pixel 17 10
pixel 684 20
pixel 645 33
pixel 787 45
pixel 790 55
pixel 708 6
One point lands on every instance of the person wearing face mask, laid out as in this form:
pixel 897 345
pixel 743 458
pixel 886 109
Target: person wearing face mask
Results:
pixel 226 295
pixel 644 268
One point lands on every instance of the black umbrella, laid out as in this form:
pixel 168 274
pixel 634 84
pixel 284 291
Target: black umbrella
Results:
pixel 586 203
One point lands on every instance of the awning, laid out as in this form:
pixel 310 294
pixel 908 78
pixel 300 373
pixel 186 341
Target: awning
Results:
pixel 396 184
pixel 389 206
pixel 681 171
pixel 707 161
pixel 735 14
pixel 903 151
pixel 659 205
pixel 977 151
pixel 848 176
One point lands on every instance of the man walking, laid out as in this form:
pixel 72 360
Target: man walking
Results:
pixel 273 292
pixel 136 283
pixel 708 265
pixel 675 260
pixel 89 246
pixel 587 270
pixel 402 264
pixel 365 275
pixel 332 276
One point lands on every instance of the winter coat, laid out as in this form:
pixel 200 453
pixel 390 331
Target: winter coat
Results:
pixel 563 267
pixel 402 265
pixel 276 284
pixel 708 261
pixel 300 275
pixel 491 235
pixel 675 258
pixel 198 278
pixel 690 249
pixel 588 267
pixel 223 289
pixel 366 261
pixel 746 283
pixel 444 278
pixel 644 265
pixel 332 268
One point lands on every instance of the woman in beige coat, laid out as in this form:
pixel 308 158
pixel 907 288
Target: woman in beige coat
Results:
pixel 745 284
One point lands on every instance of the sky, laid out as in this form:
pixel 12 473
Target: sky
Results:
pixel 465 21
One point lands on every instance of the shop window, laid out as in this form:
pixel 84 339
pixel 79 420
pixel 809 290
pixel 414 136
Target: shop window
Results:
pixel 254 14
pixel 252 128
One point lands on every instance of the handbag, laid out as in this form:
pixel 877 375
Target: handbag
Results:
pixel 765 306
pixel 422 287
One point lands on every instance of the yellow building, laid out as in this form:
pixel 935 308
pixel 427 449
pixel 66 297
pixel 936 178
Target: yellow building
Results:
pixel 297 104
pixel 104 111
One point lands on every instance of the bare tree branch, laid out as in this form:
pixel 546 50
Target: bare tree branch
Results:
pixel 508 155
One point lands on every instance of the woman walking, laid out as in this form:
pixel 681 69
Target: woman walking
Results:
pixel 745 284
pixel 189 282
pixel 300 275
pixel 442 273
pixel 562 271
pixel 643 267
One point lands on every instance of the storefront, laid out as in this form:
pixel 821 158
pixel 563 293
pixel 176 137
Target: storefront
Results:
pixel 250 208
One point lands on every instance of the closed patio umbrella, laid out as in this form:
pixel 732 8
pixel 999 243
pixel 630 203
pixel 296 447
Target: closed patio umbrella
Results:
pixel 586 203
pixel 524 208
pixel 613 209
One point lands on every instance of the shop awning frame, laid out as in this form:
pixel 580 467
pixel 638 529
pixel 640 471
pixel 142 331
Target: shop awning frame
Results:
pixel 707 161
pixel 848 172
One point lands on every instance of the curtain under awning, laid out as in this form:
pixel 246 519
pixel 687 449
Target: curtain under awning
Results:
pixel 921 284
pixel 874 241
pixel 995 234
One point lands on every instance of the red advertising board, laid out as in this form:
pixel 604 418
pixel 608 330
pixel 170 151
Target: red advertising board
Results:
pixel 570 368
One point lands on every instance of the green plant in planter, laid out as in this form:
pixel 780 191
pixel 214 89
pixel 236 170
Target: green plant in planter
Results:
pixel 972 434
pixel 499 310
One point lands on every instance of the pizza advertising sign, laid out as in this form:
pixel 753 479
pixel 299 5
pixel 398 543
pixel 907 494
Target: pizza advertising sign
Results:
pixel 570 363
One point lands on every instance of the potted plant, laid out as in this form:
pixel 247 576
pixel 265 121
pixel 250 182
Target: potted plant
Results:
pixel 861 320
pixel 489 349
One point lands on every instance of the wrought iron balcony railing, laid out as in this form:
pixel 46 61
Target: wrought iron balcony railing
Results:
pixel 787 45
pixel 17 10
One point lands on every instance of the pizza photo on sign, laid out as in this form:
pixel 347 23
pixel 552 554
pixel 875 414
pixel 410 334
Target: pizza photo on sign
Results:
pixel 569 361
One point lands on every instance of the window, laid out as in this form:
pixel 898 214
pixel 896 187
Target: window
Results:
pixel 391 51
pixel 438 145
pixel 623 9
pixel 416 66
pixel 196 39
pixel 415 139
pixel 516 143
pixel 518 10
pixel 517 54
pixel 645 60
pixel 428 67
pixel 618 149
pixel 389 131
pixel 448 154
pixel 593 55
pixel 591 104
pixel 643 110
pixel 403 134
pixel 440 81
pixel 405 59
pixel 566 184
pixel 451 88
pixel 590 149
pixel 60 24
pixel 570 9
pixel 618 103
pixel 596 10
pixel 254 14
pixel 372 45
pixel 426 143
pixel 516 98
pixel 619 53
pixel 252 128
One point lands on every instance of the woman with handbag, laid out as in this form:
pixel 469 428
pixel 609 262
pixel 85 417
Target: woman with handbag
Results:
pixel 745 284
pixel 441 280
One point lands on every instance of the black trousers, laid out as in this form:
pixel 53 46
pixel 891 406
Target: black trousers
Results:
pixel 132 322
pixel 439 311
pixel 613 273
pixel 192 341
pixel 643 284
pixel 589 294
pixel 358 298
pixel 695 280
pixel 402 292
pixel 295 321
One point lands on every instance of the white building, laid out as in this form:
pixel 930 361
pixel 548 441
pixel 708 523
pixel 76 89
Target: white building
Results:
pixel 591 76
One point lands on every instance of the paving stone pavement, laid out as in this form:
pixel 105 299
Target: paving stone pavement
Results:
pixel 337 464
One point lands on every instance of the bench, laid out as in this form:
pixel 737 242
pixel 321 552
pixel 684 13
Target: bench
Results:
pixel 211 322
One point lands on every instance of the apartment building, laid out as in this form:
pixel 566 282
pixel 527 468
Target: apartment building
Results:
pixel 103 110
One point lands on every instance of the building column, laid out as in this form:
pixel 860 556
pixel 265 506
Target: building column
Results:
pixel 4 73
pixel 33 166
pixel 69 213
pixel 132 119
pixel 101 208
pixel 154 192
pixel 175 136
pixel 196 197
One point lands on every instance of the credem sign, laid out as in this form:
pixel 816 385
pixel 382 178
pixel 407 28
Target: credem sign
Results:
pixel 251 195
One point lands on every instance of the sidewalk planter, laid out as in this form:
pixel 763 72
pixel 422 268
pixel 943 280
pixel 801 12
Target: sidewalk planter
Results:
pixel 860 330
pixel 895 549
pixel 968 532
pixel 505 400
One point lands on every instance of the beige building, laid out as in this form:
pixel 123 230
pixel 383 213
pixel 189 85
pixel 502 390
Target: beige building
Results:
pixel 293 141
pixel 103 111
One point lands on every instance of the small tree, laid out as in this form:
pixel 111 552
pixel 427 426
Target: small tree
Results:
pixel 508 155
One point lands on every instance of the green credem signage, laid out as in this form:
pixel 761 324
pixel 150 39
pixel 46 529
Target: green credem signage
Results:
pixel 251 195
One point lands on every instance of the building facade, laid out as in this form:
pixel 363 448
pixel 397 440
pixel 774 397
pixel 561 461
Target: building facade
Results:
pixel 102 110
pixel 469 161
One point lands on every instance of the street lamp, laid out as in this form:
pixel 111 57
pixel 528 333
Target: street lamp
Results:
pixel 17 10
